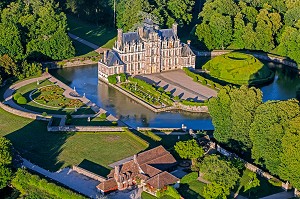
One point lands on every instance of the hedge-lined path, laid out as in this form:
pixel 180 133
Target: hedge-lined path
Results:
pixel 8 96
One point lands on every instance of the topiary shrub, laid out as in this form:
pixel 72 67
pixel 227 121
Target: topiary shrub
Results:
pixel 22 100
pixel 102 116
pixel 17 96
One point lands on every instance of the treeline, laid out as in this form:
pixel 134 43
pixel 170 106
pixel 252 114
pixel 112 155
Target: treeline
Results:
pixel 266 25
pixel 270 131
pixel 31 31
pixel 130 12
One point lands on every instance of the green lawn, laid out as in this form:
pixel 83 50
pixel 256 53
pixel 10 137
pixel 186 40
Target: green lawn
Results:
pixel 190 187
pixel 82 50
pixel 26 90
pixel 96 121
pixel 238 68
pixel 99 35
pixel 53 151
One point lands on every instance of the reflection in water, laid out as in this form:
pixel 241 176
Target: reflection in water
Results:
pixel 85 80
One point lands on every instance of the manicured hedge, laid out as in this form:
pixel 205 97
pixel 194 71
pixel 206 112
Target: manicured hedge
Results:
pixel 200 79
pixel 32 185
pixel 17 96
pixel 191 103
pixel 22 100
pixel 152 135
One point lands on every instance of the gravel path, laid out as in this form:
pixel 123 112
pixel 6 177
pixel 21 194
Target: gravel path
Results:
pixel 85 42
pixel 180 84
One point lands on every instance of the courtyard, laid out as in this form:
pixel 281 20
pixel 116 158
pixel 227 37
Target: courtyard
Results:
pixel 179 84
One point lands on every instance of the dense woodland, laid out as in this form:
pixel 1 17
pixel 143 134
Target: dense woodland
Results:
pixel 269 132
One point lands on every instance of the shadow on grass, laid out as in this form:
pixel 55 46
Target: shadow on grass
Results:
pixel 186 192
pixel 36 144
pixel 94 167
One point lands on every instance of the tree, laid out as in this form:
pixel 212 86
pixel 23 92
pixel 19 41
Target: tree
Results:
pixel 189 150
pixel 268 129
pixel 232 113
pixel 5 161
pixel 253 181
pixel 215 191
pixel 219 171
pixel 290 157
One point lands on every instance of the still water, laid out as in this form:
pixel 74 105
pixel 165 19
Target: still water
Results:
pixel 85 80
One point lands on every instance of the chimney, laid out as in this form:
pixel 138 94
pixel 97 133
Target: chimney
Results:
pixel 174 27
pixel 141 31
pixel 117 172
pixel 135 159
pixel 120 36
pixel 104 56
pixel 188 42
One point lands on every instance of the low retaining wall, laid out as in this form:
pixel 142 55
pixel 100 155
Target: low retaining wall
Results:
pixel 200 109
pixel 24 114
pixel 159 129
pixel 266 57
pixel 251 167
pixel 84 129
pixel 67 63
pixel 88 174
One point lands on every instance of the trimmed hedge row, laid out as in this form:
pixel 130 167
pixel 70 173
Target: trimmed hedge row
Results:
pixel 201 79
pixel 32 185
pixel 191 103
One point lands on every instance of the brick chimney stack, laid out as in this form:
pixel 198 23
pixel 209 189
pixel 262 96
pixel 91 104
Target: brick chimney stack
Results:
pixel 120 37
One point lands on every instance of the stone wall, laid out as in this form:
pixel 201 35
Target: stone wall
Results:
pixel 200 109
pixel 70 63
pixel 24 114
pixel 88 174
pixel 250 166
pixel 84 129
pixel 262 56
pixel 159 129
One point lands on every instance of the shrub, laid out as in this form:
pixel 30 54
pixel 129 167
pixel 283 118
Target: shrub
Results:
pixel 102 116
pixel 275 182
pixel 112 79
pixel 22 100
pixel 44 114
pixel 17 96
pixel 176 98
pixel 68 119
pixel 169 191
pixel 204 82
pixel 122 77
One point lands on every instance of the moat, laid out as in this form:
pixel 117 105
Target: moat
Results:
pixel 85 80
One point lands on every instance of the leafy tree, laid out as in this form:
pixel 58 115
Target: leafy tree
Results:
pixel 253 182
pixel 5 161
pixel 219 171
pixel 189 150
pixel 268 129
pixel 289 43
pixel 215 191
pixel 232 113
pixel 290 158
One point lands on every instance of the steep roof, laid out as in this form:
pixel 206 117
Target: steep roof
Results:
pixel 154 157
pixel 112 58
pixel 167 34
pixel 186 51
pixel 161 180
pixel 108 185
pixel 131 37
pixel 150 170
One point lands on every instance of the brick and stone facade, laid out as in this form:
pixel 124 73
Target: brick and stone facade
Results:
pixel 148 50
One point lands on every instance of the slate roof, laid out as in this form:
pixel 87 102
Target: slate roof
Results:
pixel 167 34
pixel 112 58
pixel 186 51
pixel 131 37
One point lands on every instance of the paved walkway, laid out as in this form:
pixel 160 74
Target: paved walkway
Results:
pixel 85 42
pixel 69 178
pixel 281 195
pixel 8 96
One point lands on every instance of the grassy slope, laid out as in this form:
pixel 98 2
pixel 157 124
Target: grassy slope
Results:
pixel 82 50
pixel 56 150
pixel 237 68
pixel 98 35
